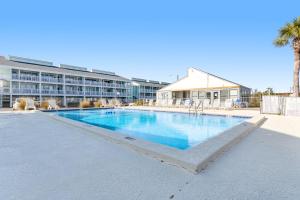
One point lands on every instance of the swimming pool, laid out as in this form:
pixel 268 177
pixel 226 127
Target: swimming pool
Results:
pixel 178 130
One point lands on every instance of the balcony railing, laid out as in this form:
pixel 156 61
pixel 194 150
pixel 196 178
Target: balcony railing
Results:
pixel 71 81
pixel 120 86
pixel 25 91
pixel 4 90
pixel 15 76
pixel 52 80
pixel 44 91
pixel 96 83
pixel 29 77
pixel 147 90
pixel 93 93
pixel 108 84
pixel 108 94
pixel 74 92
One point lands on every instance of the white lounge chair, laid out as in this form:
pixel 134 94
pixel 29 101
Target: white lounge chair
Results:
pixel 29 104
pixel 163 102
pixel 117 102
pixel 170 102
pixel 150 102
pixel 178 103
pixel 187 103
pixel 110 103
pixel 228 104
pixel 206 103
pixel 103 102
pixel 216 104
pixel 52 104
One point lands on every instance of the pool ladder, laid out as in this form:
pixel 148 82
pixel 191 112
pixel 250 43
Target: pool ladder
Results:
pixel 196 108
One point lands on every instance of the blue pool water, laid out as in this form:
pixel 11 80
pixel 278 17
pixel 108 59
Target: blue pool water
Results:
pixel 178 130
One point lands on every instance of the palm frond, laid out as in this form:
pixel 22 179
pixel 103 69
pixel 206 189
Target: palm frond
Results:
pixel 288 33
pixel 281 41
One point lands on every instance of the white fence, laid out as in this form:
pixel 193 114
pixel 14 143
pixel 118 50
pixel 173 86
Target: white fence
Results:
pixel 292 106
pixel 289 106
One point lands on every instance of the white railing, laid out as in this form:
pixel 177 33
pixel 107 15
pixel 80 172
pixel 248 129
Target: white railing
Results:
pixel 108 84
pixel 25 91
pixel 4 90
pixel 26 77
pixel 92 93
pixel 15 76
pixel 52 91
pixel 71 81
pixel 120 85
pixel 73 92
pixel 108 94
pixel 96 83
pixel 52 80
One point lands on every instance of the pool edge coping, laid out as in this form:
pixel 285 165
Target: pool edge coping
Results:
pixel 194 159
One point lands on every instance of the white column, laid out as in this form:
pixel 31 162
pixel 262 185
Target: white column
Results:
pixel 64 90
pixel 40 86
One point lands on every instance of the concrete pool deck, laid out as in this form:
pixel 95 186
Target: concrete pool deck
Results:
pixel 193 159
pixel 46 159
pixel 233 112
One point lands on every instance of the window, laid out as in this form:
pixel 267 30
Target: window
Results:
pixel 216 95
pixel 208 95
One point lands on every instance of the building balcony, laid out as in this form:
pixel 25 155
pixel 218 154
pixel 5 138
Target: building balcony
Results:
pixel 94 83
pixel 52 80
pixel 4 90
pixel 52 92
pixel 24 77
pixel 147 91
pixel 92 93
pixel 25 91
pixel 15 76
pixel 71 81
pixel 74 92
pixel 108 94
pixel 120 85
pixel 108 84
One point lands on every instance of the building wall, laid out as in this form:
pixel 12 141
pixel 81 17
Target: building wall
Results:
pixel 202 85
pixel 23 81
pixel 145 90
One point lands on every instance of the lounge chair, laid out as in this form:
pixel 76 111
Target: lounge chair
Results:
pixel 228 104
pixel 206 103
pixel 163 103
pixel 187 103
pixel 170 102
pixel 178 103
pixel 110 103
pixel 52 104
pixel 117 103
pixel 103 102
pixel 150 102
pixel 216 104
pixel 29 104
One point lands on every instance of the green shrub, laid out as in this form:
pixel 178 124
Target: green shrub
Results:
pixel 85 104
pixel 139 103
pixel 97 104
pixel 44 105
pixel 22 104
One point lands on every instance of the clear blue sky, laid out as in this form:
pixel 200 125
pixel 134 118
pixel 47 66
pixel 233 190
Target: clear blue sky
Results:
pixel 155 39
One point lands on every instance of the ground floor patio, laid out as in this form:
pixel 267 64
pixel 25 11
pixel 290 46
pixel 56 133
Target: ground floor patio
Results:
pixel 42 158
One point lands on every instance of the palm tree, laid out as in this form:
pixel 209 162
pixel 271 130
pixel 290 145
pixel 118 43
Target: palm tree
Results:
pixel 290 34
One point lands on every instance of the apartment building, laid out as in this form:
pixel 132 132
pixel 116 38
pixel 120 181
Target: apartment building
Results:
pixel 145 89
pixel 41 80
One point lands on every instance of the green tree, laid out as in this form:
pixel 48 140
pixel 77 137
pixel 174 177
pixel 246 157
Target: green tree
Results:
pixel 290 34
